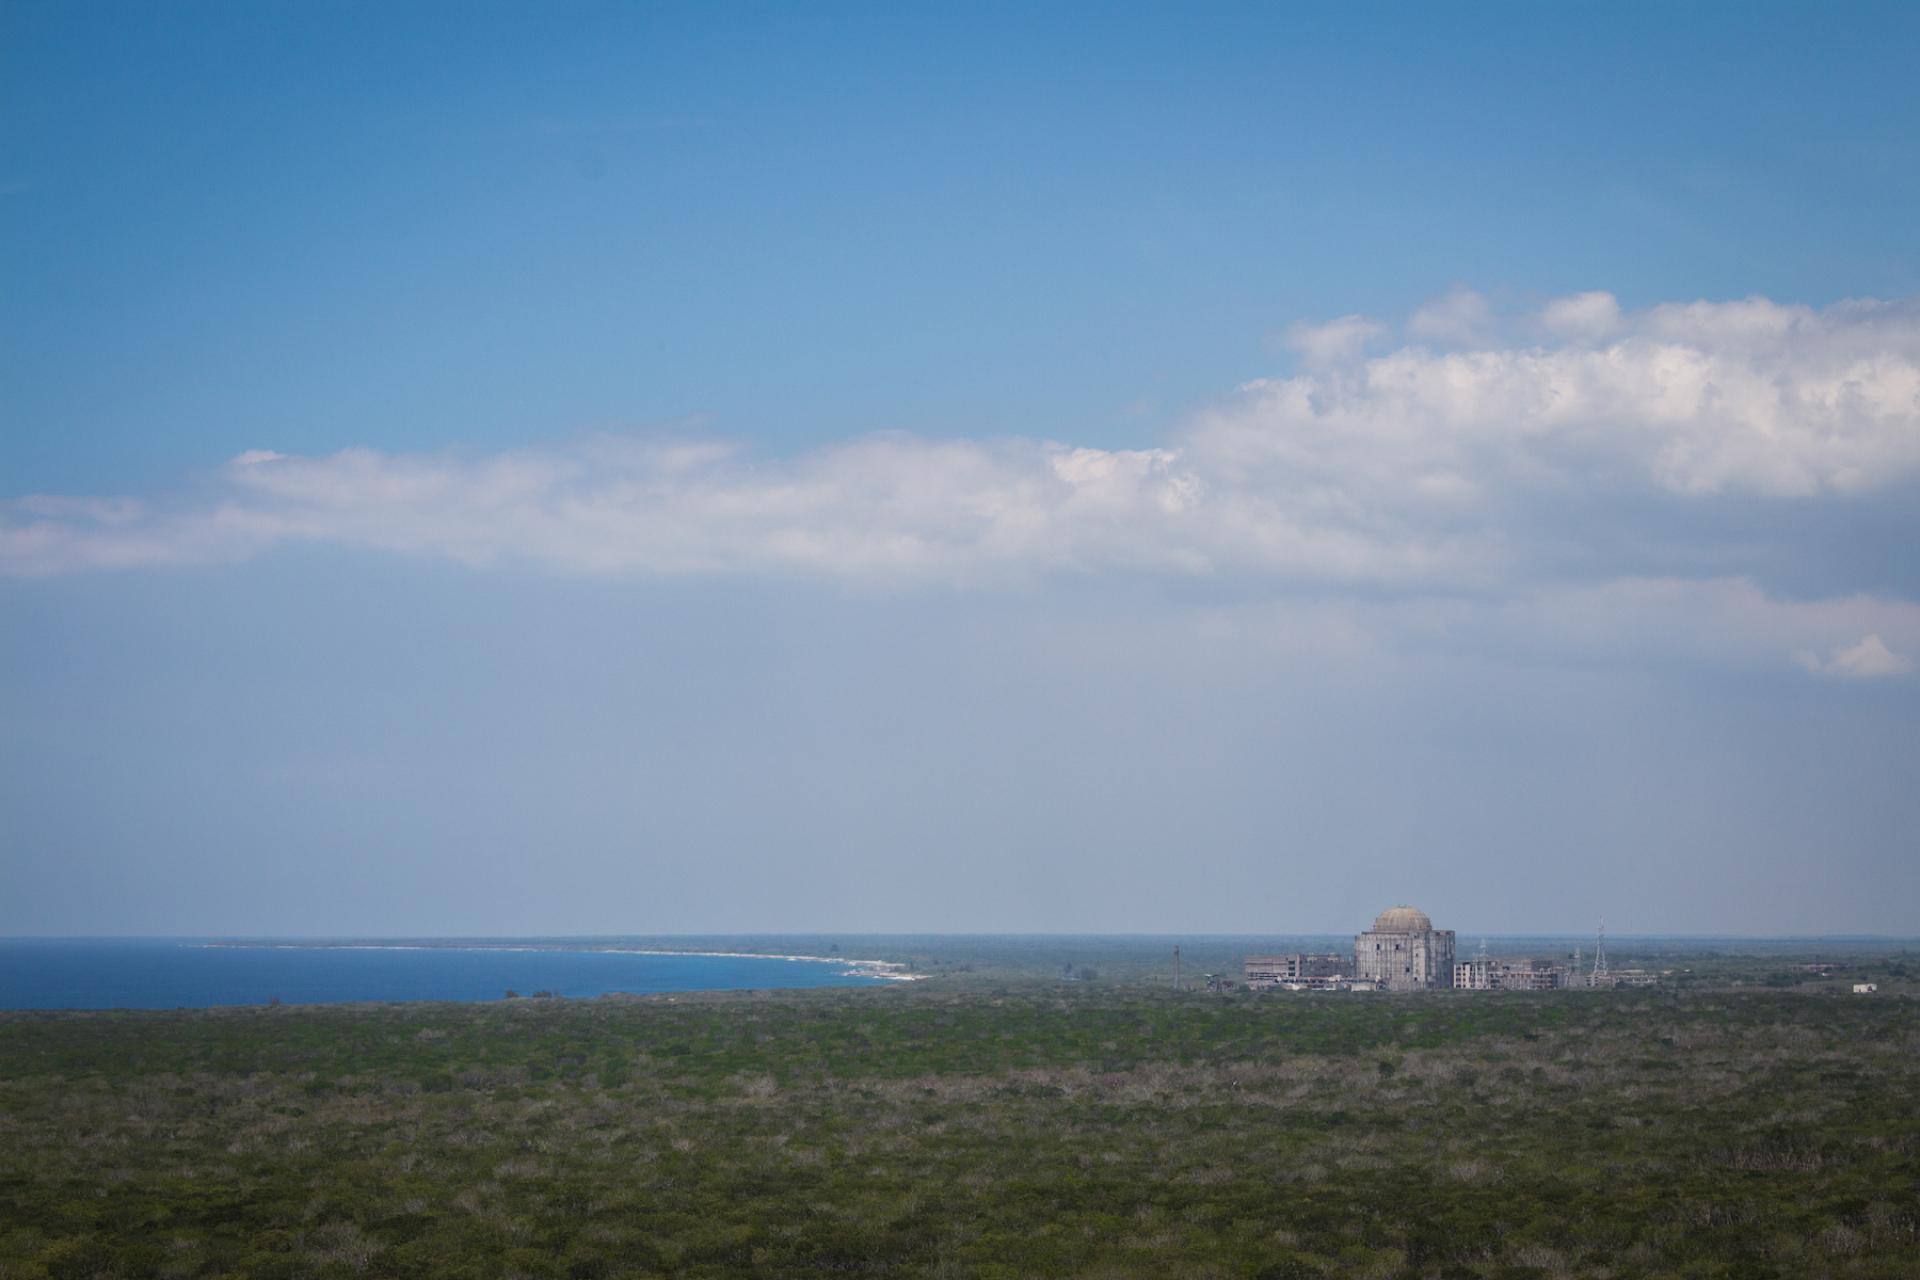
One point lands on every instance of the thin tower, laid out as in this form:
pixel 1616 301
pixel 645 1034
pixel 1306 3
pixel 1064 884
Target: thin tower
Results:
pixel 1176 966
pixel 1600 954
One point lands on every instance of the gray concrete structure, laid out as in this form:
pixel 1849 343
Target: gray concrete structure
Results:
pixel 1296 969
pixel 1505 973
pixel 1404 952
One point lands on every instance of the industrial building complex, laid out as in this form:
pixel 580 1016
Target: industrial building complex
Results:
pixel 1404 952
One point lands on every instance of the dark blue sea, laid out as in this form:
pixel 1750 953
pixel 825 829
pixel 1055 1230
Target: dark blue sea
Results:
pixel 167 974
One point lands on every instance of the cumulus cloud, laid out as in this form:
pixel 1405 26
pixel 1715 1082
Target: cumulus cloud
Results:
pixel 1334 342
pixel 1863 661
pixel 1462 318
pixel 1701 399
pixel 1509 474
pixel 1585 316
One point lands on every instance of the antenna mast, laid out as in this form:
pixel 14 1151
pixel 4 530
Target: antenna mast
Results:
pixel 1600 954
pixel 1176 966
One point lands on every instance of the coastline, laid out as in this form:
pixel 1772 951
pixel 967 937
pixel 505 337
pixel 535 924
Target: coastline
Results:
pixel 886 970
pixel 880 970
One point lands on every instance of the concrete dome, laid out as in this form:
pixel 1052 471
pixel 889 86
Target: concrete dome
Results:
pixel 1402 920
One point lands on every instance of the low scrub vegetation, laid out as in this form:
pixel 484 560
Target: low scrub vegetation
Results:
pixel 1066 1129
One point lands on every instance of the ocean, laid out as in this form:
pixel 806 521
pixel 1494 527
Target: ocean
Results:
pixel 128 973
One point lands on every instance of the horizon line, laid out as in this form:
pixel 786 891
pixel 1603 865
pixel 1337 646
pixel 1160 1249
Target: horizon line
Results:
pixel 819 933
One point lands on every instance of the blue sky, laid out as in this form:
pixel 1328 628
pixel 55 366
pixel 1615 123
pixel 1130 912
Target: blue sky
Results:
pixel 600 468
pixel 434 225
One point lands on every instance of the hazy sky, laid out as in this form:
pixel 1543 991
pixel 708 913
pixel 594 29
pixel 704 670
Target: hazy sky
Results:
pixel 578 468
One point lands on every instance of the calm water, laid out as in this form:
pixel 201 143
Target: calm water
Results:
pixel 166 974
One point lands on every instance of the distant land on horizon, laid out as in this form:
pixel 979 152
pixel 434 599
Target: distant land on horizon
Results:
pixel 454 939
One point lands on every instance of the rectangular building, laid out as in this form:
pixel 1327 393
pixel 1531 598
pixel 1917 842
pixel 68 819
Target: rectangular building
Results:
pixel 1296 968
pixel 1506 973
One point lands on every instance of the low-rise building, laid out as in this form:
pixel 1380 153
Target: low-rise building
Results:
pixel 1507 973
pixel 1295 969
pixel 1616 978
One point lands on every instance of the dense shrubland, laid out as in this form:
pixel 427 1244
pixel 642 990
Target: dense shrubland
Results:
pixel 1071 1129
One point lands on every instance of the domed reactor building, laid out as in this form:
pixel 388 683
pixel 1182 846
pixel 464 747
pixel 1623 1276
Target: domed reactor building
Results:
pixel 1404 952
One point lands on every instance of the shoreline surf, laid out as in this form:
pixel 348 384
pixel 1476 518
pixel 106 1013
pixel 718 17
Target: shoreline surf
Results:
pixel 884 970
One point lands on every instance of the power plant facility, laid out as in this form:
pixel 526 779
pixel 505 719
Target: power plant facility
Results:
pixel 1298 971
pixel 1404 952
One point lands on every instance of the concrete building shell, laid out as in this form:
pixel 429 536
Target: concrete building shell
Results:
pixel 1296 969
pixel 1502 973
pixel 1404 952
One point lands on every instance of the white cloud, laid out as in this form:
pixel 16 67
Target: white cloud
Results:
pixel 1863 661
pixel 1711 620
pixel 1334 342
pixel 1701 399
pixel 881 506
pixel 1583 316
pixel 1494 477
pixel 1462 318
